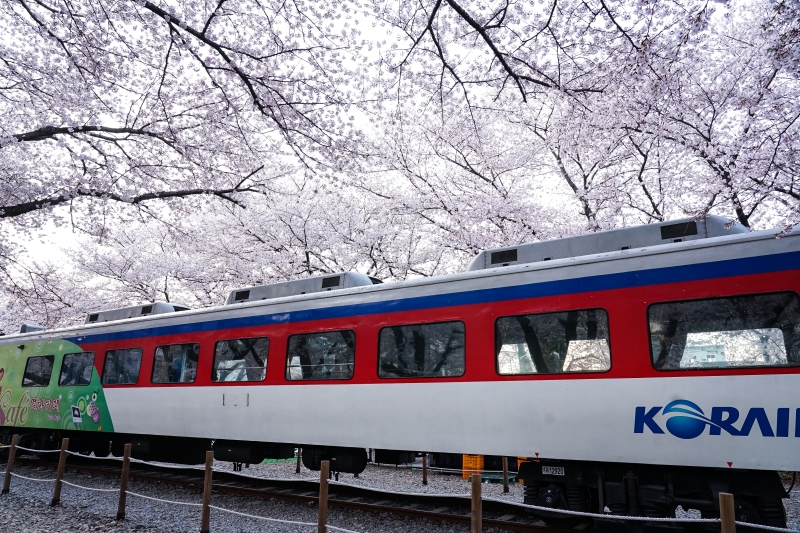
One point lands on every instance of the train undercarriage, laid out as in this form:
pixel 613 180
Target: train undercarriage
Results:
pixel 649 491
pixel 613 489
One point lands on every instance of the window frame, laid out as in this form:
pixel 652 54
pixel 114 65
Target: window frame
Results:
pixel 287 360
pixel 537 374
pixel 64 360
pixel 724 370
pixel 378 366
pixel 266 359
pixel 139 374
pixel 25 370
pixel 169 383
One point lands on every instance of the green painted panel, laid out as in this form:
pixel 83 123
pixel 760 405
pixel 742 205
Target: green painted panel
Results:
pixel 52 406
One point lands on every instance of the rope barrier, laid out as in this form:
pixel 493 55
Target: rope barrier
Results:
pixel 261 517
pixel 163 501
pixel 37 451
pixel 769 528
pixel 339 529
pixel 31 478
pixel 640 518
pixel 250 476
pixel 375 489
pixel 84 456
pixel 224 510
pixel 439 468
pixel 87 488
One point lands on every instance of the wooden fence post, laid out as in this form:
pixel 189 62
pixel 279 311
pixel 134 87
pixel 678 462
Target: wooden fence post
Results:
pixel 477 512
pixel 206 517
pixel 123 482
pixel 324 471
pixel 12 454
pixel 424 468
pixel 62 462
pixel 505 474
pixel 727 513
pixel 299 452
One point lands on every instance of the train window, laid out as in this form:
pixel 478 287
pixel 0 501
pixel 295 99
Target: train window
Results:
pixel 37 371
pixel 241 360
pixel 739 331
pixel 176 363
pixel 122 366
pixel 324 355
pixel 76 369
pixel 553 343
pixel 422 351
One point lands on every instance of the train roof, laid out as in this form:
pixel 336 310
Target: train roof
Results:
pixel 122 313
pixel 501 276
pixel 686 229
pixel 329 282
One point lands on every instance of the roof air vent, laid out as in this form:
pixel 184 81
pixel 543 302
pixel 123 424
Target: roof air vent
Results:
pixel 297 287
pixel 601 242
pixel 504 256
pixel 122 313
pixel 330 282
pixel 683 229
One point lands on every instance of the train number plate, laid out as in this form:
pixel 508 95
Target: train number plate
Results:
pixel 553 470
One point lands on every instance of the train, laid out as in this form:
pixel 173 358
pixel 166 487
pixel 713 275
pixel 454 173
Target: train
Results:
pixel 639 370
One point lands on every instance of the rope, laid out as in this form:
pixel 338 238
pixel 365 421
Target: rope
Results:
pixel 770 528
pixel 278 520
pixel 375 489
pixel 30 478
pixel 339 529
pixel 166 465
pixel 250 476
pixel 87 488
pixel 440 469
pixel 84 456
pixel 163 501
pixel 261 517
pixel 37 451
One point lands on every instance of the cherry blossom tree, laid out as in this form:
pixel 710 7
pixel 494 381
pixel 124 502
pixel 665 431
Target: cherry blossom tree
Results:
pixel 196 146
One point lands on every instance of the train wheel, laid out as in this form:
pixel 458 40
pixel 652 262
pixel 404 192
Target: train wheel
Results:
pixel 553 496
pixel 771 511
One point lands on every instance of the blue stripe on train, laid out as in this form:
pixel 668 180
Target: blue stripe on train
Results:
pixel 656 276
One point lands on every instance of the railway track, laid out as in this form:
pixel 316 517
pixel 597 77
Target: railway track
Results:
pixel 443 508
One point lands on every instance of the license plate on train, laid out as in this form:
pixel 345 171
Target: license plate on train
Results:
pixel 553 470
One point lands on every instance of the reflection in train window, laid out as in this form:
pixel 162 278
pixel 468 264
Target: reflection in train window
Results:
pixel 122 366
pixel 241 360
pixel 176 363
pixel 325 355
pixel 552 343
pixel 37 371
pixel 422 351
pixel 740 331
pixel 76 369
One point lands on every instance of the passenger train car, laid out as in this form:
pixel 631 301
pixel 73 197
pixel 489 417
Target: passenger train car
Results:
pixel 638 370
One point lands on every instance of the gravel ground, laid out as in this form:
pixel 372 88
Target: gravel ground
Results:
pixel 401 479
pixel 26 509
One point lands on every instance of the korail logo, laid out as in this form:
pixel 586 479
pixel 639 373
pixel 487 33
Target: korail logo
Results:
pixel 687 420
